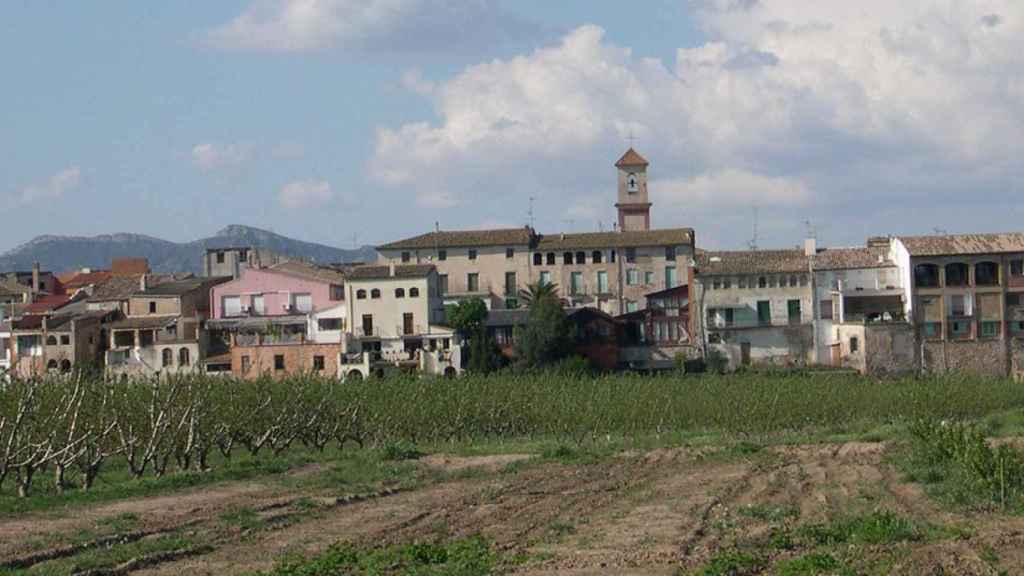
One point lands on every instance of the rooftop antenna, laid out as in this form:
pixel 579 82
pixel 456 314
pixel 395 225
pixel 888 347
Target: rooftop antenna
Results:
pixel 529 213
pixel 631 138
pixel 753 239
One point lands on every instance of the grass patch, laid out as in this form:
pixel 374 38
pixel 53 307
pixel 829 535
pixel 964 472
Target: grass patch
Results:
pixel 878 527
pixel 467 557
pixel 243 518
pixel 812 565
pixel 769 513
pixel 107 558
pixel 732 563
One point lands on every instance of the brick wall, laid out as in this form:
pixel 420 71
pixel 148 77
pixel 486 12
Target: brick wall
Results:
pixel 298 359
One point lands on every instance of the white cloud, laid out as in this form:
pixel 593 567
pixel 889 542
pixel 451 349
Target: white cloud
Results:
pixel 53 188
pixel 305 194
pixel 304 25
pixel 832 108
pixel 210 157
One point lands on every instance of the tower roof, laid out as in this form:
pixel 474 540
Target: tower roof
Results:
pixel 631 158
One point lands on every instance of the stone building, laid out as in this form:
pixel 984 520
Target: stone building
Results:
pixel 232 261
pixel 611 271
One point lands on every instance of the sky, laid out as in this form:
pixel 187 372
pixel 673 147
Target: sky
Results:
pixel 359 122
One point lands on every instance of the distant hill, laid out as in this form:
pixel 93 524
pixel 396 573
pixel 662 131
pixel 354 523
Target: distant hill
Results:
pixel 66 253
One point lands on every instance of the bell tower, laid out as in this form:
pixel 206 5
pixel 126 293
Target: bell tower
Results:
pixel 633 204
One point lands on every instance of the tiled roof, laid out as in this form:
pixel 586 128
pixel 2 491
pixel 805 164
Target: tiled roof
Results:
pixel 82 279
pixel 378 272
pixel 122 287
pixel 622 239
pixel 681 290
pixel 181 287
pixel 47 304
pixel 144 322
pixel 852 258
pixel 309 272
pixel 631 158
pixel 956 244
pixel 751 262
pixel 464 238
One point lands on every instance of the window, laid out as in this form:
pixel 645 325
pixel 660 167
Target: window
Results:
pixel 611 256
pixel 742 283
pixel 803 279
pixel 375 294
pixel 406 256
pixel 581 257
pixel 360 294
pixel 986 274
pixel 538 259
pixel 956 274
pixel 576 283
pixel 596 257
pixel 926 276
pixel 183 357
pixel 278 361
pixel 399 292
pixel 670 253
pixel 990 329
pixel 631 184
pixel 246 364
pixel 510 253
pixel 931 330
pixel 771 282
pixel 826 309
pixel 367 324
pixel 602 282
pixel 793 281
pixel 670 277
pixel 854 345
pixel 442 255
pixel 631 306
pixel 318 363
pixel 472 253
pixel 166 357
pixel 1017 267
pixel 152 307
pixel 510 284
pixel 762 282
pixel 220 257
pixel 472 282
pixel 959 329
pixel 567 259
pixel 716 284
pixel 259 305
pixel 764 312
pixel 442 284
pixel 414 292
pixel 550 259
pixel 328 324
pixel 65 339
pixel 1012 299
pixel 304 302
pixel 632 277
pixel 727 283
pixel 1017 326
pixel 231 306
pixel 649 278
pixel 793 311
pixel 630 255
pixel 545 278
pixel 957 305
pixel 51 340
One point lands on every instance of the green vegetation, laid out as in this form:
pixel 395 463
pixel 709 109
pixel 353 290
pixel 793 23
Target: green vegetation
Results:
pixel 468 557
pixel 812 565
pixel 878 527
pixel 546 339
pixel 733 563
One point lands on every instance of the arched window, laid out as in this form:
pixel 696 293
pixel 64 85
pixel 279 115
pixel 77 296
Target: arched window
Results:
pixel 567 258
pixel 360 294
pixel 183 359
pixel 581 257
pixel 596 257
pixel 375 293
pixel 986 274
pixel 926 276
pixel 399 292
pixel 956 274
pixel 538 258
pixel 792 281
pixel 632 183
pixel 51 340
pixel 551 259
pixel 167 357
pixel 762 282
pixel 51 365
pixel 414 292
pixel 65 365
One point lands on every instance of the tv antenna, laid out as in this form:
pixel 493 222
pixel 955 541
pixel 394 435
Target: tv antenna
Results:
pixel 753 239
pixel 529 212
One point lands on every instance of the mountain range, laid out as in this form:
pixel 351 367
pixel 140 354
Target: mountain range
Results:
pixel 67 253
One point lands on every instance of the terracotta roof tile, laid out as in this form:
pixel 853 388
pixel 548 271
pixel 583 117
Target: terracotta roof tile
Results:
pixel 464 238
pixel 308 272
pixel 956 244
pixel 623 239
pixel 751 262
pixel 631 158
pixel 379 272
pixel 122 287
pixel 852 258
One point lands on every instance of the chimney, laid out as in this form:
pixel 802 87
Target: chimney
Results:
pixel 35 278
pixel 810 247
pixel 143 282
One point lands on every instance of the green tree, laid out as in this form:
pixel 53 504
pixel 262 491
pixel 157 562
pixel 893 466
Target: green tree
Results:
pixel 484 355
pixel 547 337
pixel 537 291
pixel 467 317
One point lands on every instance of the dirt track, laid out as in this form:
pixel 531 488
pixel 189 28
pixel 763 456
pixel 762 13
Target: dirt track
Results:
pixel 654 513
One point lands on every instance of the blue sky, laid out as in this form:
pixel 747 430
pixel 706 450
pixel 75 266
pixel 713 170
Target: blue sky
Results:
pixel 328 119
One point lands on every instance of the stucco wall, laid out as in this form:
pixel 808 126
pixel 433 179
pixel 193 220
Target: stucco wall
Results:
pixel 388 311
pixel 277 290
pixel 298 359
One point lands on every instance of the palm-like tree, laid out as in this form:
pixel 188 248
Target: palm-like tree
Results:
pixel 538 291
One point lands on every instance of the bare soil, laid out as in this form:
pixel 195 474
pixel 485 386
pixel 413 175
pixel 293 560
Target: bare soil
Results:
pixel 663 512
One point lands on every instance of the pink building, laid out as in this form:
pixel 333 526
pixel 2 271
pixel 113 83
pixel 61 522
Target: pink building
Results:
pixel 286 289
